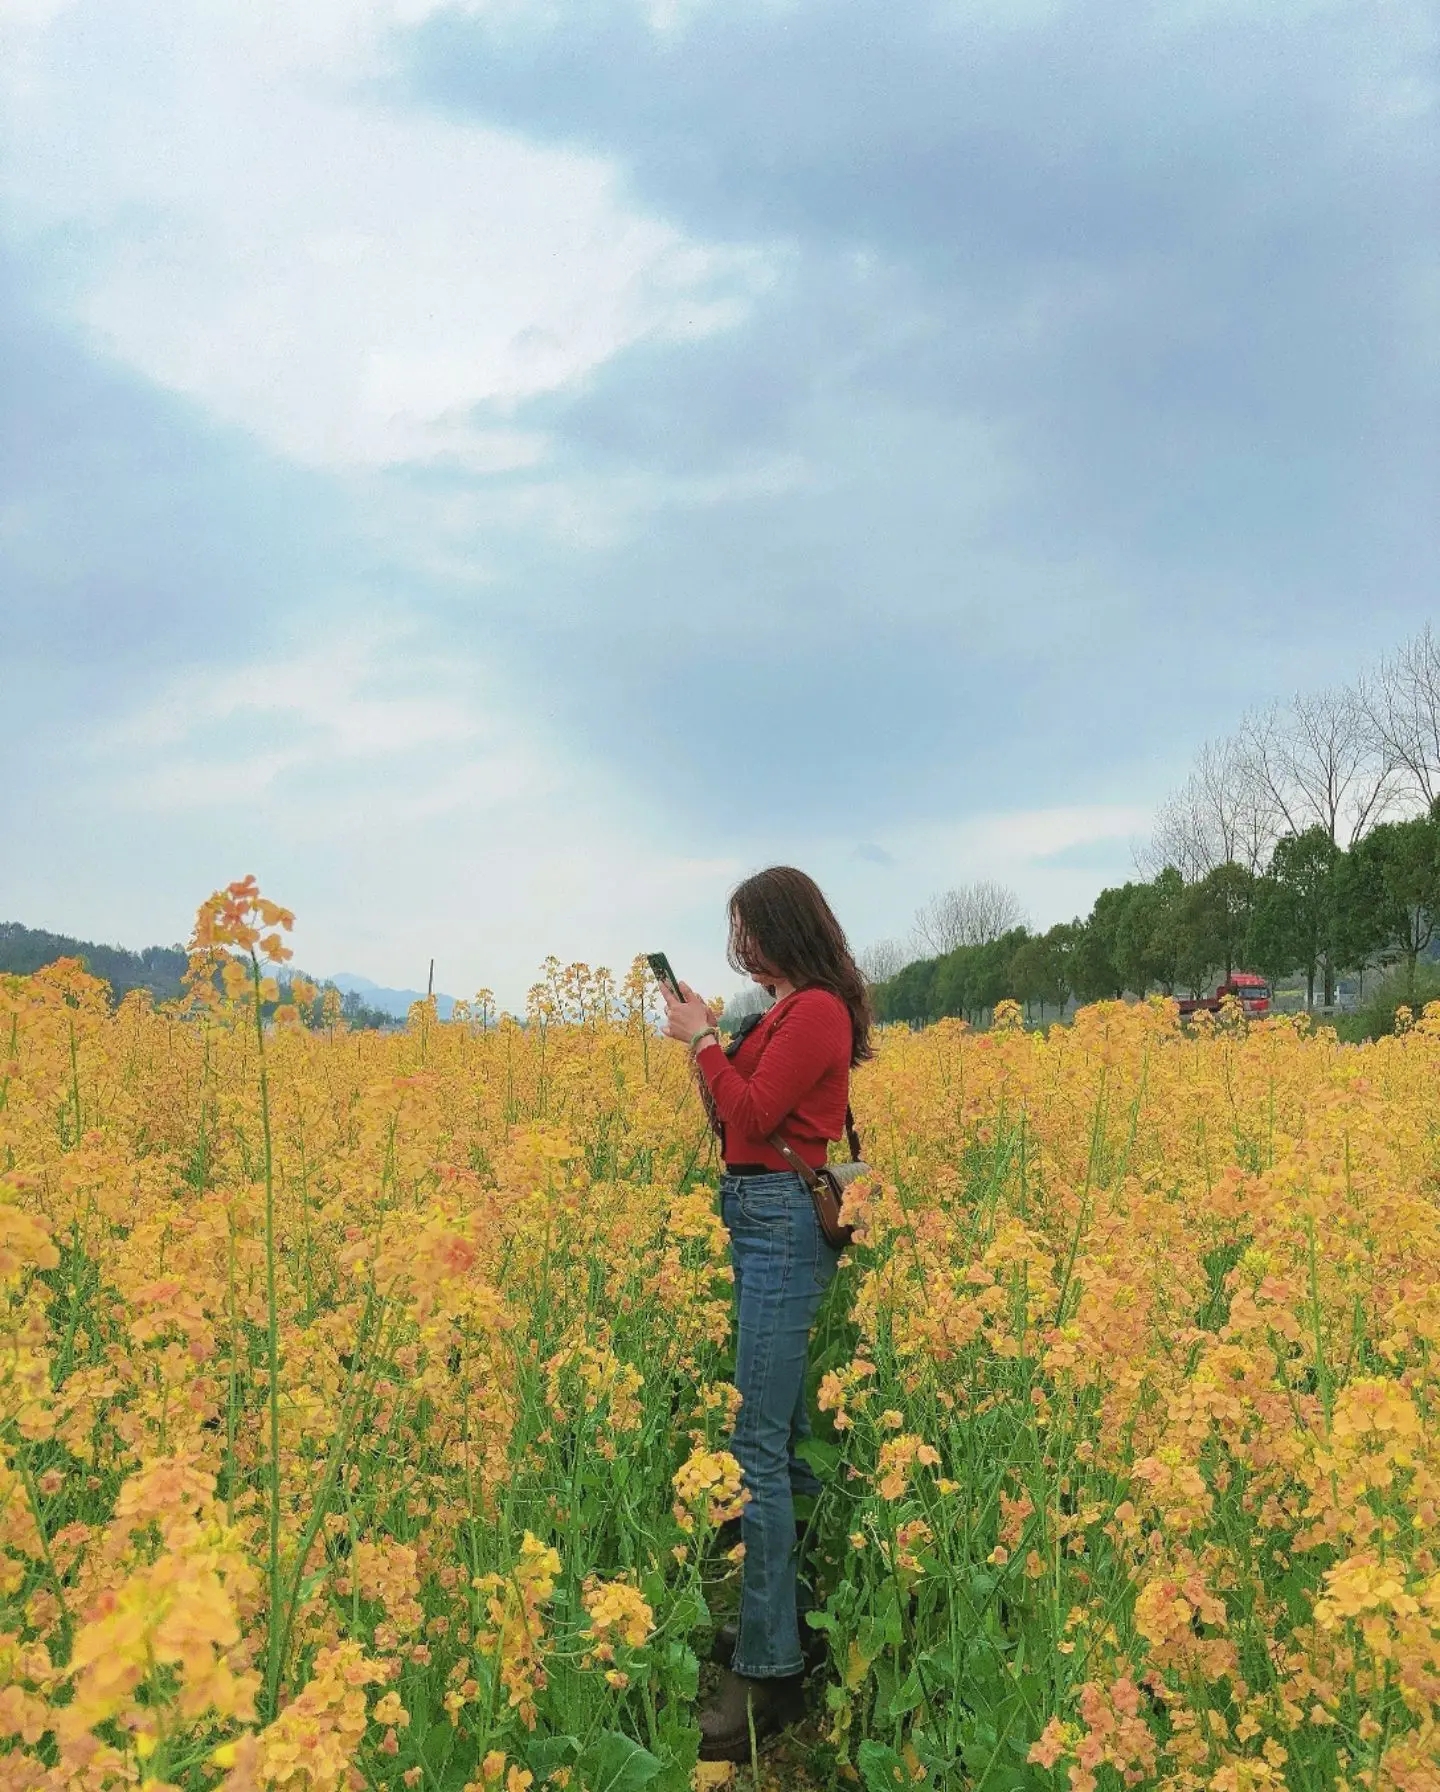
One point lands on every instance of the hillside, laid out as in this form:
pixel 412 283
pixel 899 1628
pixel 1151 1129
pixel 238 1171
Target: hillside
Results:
pixel 161 968
pixel 156 968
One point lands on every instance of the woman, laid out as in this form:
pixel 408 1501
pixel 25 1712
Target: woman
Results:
pixel 789 1072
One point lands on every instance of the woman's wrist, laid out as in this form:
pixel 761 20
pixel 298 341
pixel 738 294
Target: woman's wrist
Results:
pixel 698 1043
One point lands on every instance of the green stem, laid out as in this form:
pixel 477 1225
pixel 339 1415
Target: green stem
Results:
pixel 75 1082
pixel 33 1494
pixel 360 1386
pixel 233 1390
pixel 272 1329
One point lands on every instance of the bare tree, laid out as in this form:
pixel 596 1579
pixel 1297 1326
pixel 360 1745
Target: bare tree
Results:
pixel 1401 702
pixel 937 925
pixel 1222 814
pixel 1174 840
pixel 972 915
pixel 883 960
pixel 1318 764
pixel 1340 759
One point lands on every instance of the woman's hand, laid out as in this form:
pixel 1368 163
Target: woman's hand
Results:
pixel 684 1019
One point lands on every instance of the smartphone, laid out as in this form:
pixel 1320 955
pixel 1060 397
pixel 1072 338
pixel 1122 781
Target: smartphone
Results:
pixel 660 964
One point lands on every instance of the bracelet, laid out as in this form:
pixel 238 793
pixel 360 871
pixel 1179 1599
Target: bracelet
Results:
pixel 704 1034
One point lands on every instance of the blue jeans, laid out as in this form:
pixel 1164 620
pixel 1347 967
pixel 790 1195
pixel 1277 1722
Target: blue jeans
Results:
pixel 782 1268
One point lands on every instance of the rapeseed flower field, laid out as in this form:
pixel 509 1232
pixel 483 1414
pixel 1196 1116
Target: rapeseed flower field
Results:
pixel 365 1400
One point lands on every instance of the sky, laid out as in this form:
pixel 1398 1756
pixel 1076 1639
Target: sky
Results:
pixel 503 471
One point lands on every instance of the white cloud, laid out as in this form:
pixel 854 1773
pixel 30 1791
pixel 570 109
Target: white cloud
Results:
pixel 1000 843
pixel 348 280
pixel 400 802
pixel 223 198
pixel 400 725
pixel 405 803
pixel 1031 836
pixel 1056 859
pixel 328 691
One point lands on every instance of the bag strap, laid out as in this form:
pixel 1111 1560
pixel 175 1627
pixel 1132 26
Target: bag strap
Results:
pixel 778 1142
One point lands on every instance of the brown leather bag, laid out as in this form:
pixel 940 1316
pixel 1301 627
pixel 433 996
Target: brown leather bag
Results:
pixel 827 1185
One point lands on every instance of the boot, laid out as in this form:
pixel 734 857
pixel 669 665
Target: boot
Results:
pixel 813 1648
pixel 771 1705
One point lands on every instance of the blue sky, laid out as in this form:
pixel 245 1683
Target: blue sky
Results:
pixel 502 471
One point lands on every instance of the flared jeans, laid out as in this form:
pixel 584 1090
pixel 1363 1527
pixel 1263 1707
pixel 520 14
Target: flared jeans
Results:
pixel 782 1268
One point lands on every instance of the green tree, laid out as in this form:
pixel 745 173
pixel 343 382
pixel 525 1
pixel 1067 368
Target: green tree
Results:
pixel 359 1015
pixel 1063 939
pixel 910 994
pixel 1147 936
pixel 1292 922
pixel 1388 893
pixel 995 969
pixel 1271 943
pixel 160 969
pixel 970 980
pixel 1212 920
pixel 1094 975
pixel 1040 969
pixel 955 982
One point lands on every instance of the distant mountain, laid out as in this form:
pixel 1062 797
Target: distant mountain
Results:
pixel 388 1001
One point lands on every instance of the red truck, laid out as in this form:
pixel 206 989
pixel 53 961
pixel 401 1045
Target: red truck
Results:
pixel 1252 992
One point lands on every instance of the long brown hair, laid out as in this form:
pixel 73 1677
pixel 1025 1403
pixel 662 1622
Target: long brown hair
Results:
pixel 782 926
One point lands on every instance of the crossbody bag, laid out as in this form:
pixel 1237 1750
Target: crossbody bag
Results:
pixel 828 1184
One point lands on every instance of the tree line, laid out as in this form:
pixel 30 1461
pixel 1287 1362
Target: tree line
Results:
pixel 1343 760
pixel 156 968
pixel 1305 843
pixel 160 970
pixel 1316 910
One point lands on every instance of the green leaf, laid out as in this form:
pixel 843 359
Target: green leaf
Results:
pixel 881 1768
pixel 680 1734
pixel 459 1768
pixel 881 1628
pixel 690 1610
pixel 1004 1778
pixel 822 1457
pixel 906 1696
pixel 979 1745
pixel 843 1600
pixel 679 1742
pixel 982 1585
pixel 545 1753
pixel 615 1763
pixel 886 1681
pixel 440 1740
pixel 932 1754
pixel 682 1672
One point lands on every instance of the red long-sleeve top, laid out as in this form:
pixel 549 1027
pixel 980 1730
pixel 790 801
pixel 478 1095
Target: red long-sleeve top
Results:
pixel 792 1071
